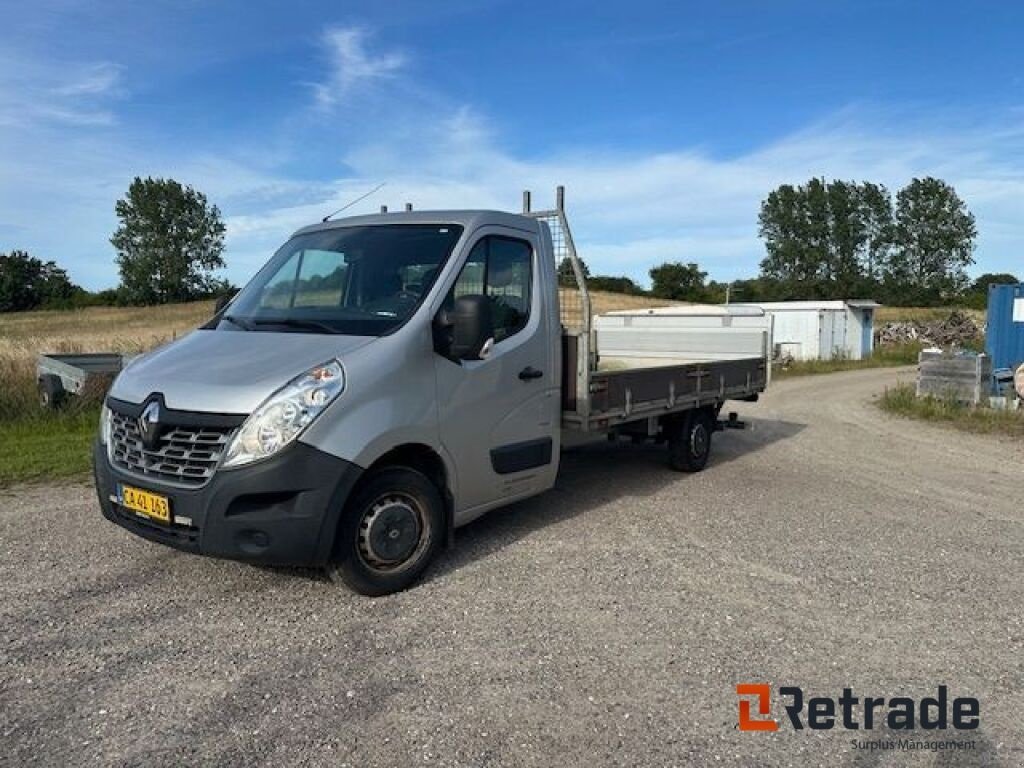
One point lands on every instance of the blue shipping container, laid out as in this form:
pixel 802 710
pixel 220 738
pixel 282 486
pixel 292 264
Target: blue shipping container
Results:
pixel 1004 336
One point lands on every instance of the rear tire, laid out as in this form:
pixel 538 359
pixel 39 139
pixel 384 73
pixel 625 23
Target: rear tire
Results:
pixel 389 532
pixel 51 391
pixel 689 441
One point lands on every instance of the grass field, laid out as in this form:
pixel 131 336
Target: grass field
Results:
pixel 97 329
pixel 902 400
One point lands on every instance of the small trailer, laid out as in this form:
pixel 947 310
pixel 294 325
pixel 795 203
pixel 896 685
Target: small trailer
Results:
pixel 58 376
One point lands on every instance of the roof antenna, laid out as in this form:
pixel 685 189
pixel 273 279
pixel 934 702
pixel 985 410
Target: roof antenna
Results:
pixel 359 199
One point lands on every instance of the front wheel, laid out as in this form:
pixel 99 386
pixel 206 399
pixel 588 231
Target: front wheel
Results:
pixel 689 442
pixel 389 532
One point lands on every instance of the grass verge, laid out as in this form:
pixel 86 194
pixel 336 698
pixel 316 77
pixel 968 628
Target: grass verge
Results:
pixel 48 446
pixel 902 400
pixel 883 357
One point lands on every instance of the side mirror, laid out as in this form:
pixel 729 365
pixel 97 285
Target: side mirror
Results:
pixel 463 332
pixel 222 301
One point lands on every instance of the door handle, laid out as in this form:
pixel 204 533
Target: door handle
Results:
pixel 529 372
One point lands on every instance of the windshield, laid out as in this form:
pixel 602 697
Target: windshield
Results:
pixel 359 281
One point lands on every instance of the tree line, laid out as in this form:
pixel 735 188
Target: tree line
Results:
pixel 839 240
pixel 823 240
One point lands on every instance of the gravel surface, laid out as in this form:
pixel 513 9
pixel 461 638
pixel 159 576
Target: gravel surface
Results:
pixel 604 623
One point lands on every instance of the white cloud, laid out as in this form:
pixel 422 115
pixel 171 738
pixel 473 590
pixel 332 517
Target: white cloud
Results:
pixel 632 211
pixel 74 94
pixel 98 79
pixel 352 64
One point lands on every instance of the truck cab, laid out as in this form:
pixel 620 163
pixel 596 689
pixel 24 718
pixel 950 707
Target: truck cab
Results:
pixel 381 381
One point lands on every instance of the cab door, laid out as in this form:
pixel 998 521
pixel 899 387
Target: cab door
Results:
pixel 499 417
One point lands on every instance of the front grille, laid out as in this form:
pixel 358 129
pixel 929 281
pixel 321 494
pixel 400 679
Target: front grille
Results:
pixel 183 455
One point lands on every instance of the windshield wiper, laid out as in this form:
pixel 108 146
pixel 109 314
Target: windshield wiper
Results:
pixel 243 324
pixel 294 322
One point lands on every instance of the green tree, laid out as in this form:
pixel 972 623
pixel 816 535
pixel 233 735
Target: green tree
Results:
pixel 614 285
pixel 977 294
pixel 877 219
pixel 981 284
pixel 566 275
pixel 169 241
pixel 825 239
pixel 934 242
pixel 846 241
pixel 785 225
pixel 28 283
pixel 678 281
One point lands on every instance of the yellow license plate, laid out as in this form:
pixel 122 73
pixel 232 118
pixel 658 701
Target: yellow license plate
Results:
pixel 149 504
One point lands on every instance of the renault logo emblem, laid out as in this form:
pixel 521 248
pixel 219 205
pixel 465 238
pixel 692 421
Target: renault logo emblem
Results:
pixel 149 425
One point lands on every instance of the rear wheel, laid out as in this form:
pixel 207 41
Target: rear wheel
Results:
pixel 689 441
pixel 389 532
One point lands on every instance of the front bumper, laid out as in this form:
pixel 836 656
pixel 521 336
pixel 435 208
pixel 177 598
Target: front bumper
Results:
pixel 280 511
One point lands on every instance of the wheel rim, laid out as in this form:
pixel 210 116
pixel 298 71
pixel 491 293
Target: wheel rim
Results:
pixel 392 532
pixel 699 440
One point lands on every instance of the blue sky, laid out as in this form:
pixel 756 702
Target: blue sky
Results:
pixel 668 122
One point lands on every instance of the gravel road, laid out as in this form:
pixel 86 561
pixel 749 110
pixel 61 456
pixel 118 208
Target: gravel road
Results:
pixel 605 623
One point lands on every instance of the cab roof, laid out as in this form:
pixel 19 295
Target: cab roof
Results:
pixel 468 219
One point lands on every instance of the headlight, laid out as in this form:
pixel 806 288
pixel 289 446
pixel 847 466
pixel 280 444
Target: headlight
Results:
pixel 104 425
pixel 283 415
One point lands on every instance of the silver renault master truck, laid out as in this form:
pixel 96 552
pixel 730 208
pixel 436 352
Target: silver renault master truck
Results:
pixel 381 381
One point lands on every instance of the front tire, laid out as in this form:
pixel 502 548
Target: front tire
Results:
pixel 389 532
pixel 689 442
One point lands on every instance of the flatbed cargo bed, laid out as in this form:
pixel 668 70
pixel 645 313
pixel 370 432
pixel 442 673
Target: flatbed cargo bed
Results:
pixel 631 394
pixel 642 364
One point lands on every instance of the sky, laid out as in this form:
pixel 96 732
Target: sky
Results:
pixel 668 123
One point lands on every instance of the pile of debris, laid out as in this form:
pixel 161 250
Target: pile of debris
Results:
pixel 956 329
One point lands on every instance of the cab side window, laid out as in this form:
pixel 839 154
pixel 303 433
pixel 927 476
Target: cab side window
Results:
pixel 500 268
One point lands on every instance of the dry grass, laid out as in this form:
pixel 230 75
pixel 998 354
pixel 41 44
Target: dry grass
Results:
pixel 25 335
pixel 601 302
pixel 97 329
pixel 923 314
